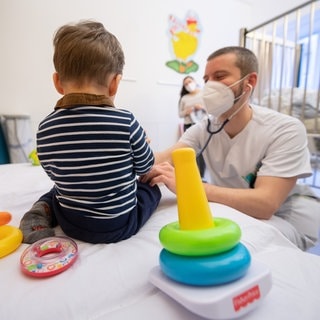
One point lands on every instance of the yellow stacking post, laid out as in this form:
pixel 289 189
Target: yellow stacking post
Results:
pixel 193 208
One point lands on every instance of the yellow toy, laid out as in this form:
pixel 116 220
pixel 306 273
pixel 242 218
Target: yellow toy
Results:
pixel 203 265
pixel 199 249
pixel 34 158
pixel 10 237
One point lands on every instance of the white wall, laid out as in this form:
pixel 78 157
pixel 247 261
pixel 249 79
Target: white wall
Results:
pixel 149 89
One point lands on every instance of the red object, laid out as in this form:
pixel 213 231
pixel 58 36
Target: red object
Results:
pixel 49 256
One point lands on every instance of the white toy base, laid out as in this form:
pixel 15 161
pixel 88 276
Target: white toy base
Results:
pixel 222 302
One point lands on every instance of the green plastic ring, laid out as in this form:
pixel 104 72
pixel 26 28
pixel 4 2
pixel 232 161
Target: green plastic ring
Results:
pixel 223 236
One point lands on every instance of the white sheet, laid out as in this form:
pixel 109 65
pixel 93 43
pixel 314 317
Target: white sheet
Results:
pixel 111 281
pixel 295 97
pixel 299 102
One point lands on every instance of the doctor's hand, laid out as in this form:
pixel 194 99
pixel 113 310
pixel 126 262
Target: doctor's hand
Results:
pixel 161 173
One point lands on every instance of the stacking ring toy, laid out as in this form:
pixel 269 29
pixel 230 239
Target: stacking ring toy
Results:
pixel 207 270
pixel 198 249
pixel 10 237
pixel 223 236
pixel 49 256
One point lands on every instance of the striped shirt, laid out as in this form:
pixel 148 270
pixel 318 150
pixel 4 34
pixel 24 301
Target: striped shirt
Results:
pixel 93 153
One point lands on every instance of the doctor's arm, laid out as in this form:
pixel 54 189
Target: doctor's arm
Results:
pixel 165 156
pixel 261 202
pixel 163 170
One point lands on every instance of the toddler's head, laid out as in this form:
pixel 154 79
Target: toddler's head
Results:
pixel 86 52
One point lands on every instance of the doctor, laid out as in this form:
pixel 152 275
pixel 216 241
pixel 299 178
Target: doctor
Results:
pixel 253 155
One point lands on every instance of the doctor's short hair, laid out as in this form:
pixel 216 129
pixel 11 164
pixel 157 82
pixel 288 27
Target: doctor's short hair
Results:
pixel 85 52
pixel 246 60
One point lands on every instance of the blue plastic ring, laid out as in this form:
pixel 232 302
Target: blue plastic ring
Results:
pixel 207 270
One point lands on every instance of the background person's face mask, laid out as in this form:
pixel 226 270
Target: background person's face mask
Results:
pixel 219 98
pixel 191 86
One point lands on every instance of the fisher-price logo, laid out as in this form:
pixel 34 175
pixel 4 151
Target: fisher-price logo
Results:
pixel 246 297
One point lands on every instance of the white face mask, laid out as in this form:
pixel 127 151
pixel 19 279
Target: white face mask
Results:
pixel 219 98
pixel 191 86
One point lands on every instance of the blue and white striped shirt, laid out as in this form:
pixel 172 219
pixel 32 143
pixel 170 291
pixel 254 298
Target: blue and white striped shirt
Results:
pixel 93 153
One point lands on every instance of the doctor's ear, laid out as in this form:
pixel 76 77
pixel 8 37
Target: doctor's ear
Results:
pixel 252 80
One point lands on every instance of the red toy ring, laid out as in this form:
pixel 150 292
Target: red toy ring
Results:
pixel 49 256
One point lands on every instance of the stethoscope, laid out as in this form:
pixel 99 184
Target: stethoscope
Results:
pixel 211 133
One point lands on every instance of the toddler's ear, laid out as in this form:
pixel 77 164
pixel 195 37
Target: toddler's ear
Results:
pixel 114 83
pixel 57 83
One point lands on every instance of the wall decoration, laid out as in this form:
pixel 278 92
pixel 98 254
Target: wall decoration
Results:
pixel 184 40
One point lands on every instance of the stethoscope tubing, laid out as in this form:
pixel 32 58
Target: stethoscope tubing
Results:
pixel 211 133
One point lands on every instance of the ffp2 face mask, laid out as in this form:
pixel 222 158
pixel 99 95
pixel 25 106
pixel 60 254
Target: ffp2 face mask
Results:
pixel 218 97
